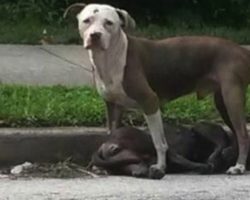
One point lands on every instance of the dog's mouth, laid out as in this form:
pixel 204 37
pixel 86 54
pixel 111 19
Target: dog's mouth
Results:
pixel 94 44
pixel 94 47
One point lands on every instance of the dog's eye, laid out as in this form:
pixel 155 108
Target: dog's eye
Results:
pixel 109 23
pixel 114 149
pixel 86 21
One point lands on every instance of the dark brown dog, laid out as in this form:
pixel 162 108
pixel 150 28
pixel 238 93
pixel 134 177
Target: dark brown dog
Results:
pixel 206 148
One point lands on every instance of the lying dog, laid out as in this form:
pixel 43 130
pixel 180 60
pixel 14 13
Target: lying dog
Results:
pixel 132 72
pixel 206 148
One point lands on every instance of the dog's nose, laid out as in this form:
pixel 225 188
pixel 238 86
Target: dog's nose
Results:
pixel 95 35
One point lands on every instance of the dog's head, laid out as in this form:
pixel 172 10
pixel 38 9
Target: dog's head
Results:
pixel 98 24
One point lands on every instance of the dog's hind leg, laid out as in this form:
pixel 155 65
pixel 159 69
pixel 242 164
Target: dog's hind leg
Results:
pixel 233 92
pixel 180 164
pixel 229 156
pixel 220 105
pixel 218 138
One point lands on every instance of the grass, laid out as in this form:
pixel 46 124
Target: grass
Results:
pixel 49 106
pixel 31 32
pixel 22 106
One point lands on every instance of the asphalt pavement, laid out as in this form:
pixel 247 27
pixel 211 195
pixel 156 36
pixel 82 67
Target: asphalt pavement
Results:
pixel 45 65
pixel 172 187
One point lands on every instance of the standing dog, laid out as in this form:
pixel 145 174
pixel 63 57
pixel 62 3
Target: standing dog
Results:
pixel 133 72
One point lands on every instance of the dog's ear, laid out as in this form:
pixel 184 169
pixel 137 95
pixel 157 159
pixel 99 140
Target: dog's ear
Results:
pixel 128 23
pixel 74 8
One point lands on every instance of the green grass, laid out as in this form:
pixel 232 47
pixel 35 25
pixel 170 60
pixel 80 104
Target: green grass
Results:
pixel 49 106
pixel 22 106
pixel 31 32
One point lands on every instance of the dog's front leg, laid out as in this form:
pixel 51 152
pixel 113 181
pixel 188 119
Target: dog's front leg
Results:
pixel 114 115
pixel 147 99
pixel 155 125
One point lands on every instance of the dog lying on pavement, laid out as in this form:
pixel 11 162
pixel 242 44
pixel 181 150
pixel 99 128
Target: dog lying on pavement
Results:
pixel 204 148
pixel 133 72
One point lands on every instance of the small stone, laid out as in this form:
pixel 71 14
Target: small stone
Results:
pixel 16 170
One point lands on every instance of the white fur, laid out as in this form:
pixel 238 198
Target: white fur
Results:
pixel 109 71
pixel 156 129
pixel 110 59
pixel 97 23
pixel 237 169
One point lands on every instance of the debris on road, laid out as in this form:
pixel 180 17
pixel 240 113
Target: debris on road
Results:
pixel 65 169
pixel 18 169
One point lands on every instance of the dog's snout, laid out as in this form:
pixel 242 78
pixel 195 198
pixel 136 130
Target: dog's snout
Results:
pixel 95 35
pixel 93 40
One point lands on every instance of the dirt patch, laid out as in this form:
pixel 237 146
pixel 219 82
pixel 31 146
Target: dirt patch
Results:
pixel 65 169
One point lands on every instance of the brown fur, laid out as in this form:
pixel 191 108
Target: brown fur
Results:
pixel 170 68
pixel 205 148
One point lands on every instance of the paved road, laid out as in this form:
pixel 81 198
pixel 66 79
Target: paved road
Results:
pixel 45 65
pixel 172 187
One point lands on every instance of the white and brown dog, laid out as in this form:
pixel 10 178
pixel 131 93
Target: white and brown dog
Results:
pixel 134 72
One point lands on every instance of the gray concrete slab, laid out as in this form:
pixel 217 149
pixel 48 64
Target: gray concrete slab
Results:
pixel 45 65
pixel 172 187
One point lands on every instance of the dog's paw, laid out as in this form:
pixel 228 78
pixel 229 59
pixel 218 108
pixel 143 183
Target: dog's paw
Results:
pixel 237 169
pixel 155 172
pixel 140 172
pixel 206 169
pixel 98 170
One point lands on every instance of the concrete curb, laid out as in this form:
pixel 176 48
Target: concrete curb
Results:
pixel 49 144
